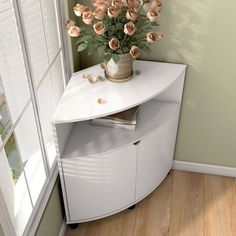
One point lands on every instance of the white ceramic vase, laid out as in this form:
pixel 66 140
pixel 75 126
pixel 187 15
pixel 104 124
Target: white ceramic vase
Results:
pixel 121 70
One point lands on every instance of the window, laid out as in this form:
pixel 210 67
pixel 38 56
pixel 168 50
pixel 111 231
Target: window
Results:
pixel 32 81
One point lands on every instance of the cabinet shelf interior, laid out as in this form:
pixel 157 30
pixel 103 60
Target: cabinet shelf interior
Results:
pixel 87 140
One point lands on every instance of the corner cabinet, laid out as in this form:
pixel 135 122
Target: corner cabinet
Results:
pixel 104 170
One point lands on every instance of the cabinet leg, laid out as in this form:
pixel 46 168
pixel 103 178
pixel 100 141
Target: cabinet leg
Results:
pixel 74 226
pixel 132 207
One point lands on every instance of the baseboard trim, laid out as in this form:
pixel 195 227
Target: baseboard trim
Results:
pixel 63 229
pixel 204 168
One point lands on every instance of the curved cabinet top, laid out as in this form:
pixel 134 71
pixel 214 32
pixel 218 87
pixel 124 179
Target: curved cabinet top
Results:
pixel 79 101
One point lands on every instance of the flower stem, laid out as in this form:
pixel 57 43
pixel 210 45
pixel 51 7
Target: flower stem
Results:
pixel 140 9
pixel 123 42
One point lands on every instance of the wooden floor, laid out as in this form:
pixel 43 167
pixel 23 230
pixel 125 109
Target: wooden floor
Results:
pixel 185 204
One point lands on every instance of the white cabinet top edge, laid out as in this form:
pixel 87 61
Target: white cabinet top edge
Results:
pixel 79 101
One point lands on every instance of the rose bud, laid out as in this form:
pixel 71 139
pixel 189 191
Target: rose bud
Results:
pixel 114 44
pixel 132 14
pixel 99 28
pixel 69 23
pixel 118 3
pixel 134 51
pixel 98 3
pixel 132 3
pixel 99 12
pixel 74 31
pixel 88 17
pixel 159 35
pixel 113 11
pixel 152 36
pixel 129 28
pixel 80 9
pixel 125 3
pixel 152 15
pixel 156 4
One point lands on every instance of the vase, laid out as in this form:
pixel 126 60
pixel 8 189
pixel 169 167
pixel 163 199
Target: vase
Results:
pixel 120 71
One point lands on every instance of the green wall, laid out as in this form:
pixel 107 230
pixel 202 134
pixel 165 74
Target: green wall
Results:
pixel 53 215
pixel 1 231
pixel 201 34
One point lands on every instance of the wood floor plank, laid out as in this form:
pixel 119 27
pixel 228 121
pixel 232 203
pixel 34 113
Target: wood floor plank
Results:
pixel 121 224
pixel 220 206
pixel 153 212
pixel 85 229
pixel 187 205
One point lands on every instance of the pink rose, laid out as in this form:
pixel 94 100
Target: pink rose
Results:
pixel 129 28
pixel 132 14
pixel 74 31
pixel 118 3
pixel 80 9
pixel 152 15
pixel 88 17
pixel 99 28
pixel 156 4
pixel 69 23
pixel 132 3
pixel 134 51
pixel 114 44
pixel 99 12
pixel 113 11
pixel 98 3
pixel 153 36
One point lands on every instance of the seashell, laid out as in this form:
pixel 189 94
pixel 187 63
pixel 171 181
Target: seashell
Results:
pixel 92 79
pixel 101 101
pixel 85 76
pixel 101 78
pixel 103 66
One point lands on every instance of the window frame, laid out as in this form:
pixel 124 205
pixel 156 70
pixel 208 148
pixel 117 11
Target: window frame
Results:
pixel 51 173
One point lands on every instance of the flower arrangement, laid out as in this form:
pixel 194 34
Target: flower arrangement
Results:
pixel 116 27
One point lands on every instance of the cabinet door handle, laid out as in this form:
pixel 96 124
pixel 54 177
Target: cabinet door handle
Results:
pixel 136 143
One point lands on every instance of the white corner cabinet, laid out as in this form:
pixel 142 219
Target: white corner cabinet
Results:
pixel 104 170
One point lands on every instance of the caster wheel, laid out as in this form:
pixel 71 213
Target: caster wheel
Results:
pixel 132 207
pixel 73 226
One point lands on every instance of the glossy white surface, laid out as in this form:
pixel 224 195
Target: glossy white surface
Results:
pixel 102 172
pixel 100 185
pixel 88 140
pixel 155 156
pixel 79 101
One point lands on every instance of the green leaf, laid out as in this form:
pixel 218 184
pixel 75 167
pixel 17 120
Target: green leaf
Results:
pixel 119 51
pixel 107 57
pixel 82 47
pixel 155 24
pixel 84 38
pixel 115 57
pixel 101 48
pixel 92 50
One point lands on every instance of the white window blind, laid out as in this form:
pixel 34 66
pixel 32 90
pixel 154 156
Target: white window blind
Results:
pixel 32 81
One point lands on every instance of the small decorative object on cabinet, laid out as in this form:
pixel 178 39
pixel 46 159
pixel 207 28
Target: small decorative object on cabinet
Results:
pixel 105 170
pixel 120 30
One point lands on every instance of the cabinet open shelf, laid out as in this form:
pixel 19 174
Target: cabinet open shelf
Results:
pixel 88 140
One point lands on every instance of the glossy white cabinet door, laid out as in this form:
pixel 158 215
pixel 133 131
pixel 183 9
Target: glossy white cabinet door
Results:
pixel 155 157
pixel 100 185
